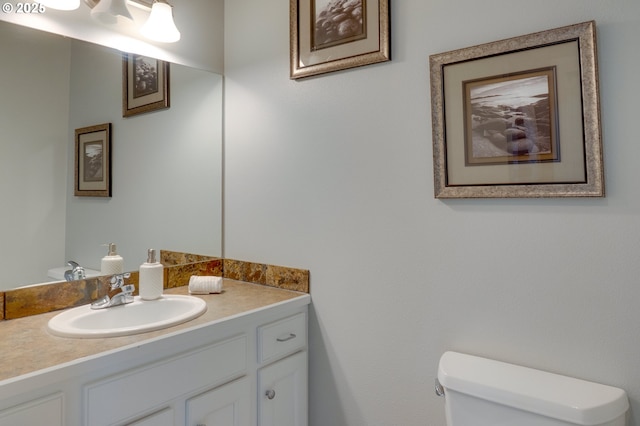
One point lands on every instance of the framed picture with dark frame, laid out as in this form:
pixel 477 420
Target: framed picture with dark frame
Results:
pixel 145 84
pixel 93 161
pixel 333 35
pixel 518 117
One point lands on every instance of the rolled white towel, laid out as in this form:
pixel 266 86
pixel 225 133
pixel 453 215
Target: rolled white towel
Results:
pixel 205 285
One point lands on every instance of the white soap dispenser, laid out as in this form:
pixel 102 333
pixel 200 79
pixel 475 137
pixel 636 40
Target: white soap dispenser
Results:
pixel 151 277
pixel 112 263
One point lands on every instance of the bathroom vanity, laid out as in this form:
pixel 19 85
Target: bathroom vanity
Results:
pixel 243 362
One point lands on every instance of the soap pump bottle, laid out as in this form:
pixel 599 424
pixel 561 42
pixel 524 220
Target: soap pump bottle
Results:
pixel 151 277
pixel 112 263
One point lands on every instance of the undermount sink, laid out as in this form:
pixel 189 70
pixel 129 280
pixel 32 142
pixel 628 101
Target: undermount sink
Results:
pixel 139 316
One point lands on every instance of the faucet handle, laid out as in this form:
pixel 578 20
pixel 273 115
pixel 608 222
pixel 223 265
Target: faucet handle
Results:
pixel 76 273
pixel 119 295
pixel 117 281
pixel 128 289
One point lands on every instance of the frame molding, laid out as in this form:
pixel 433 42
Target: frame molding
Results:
pixel 88 184
pixel 155 99
pixel 373 47
pixel 584 35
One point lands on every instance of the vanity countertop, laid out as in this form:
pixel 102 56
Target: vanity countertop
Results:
pixel 26 345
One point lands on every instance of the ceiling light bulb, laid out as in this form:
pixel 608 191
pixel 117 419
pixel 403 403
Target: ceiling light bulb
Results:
pixel 61 4
pixel 107 11
pixel 160 26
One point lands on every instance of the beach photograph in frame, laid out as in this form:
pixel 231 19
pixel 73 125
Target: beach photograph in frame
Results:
pixel 518 117
pixel 145 84
pixel 93 161
pixel 511 119
pixel 333 35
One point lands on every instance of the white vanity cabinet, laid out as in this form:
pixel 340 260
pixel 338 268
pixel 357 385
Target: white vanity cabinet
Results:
pixel 164 417
pixel 228 405
pixel 43 411
pixel 282 392
pixel 282 381
pixel 118 398
pixel 214 374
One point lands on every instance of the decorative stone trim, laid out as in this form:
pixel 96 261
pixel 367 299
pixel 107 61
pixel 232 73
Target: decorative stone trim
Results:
pixel 271 275
pixel 178 276
pixel 179 267
pixel 38 299
pixel 175 258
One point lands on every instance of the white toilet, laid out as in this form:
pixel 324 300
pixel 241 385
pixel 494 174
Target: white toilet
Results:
pixel 484 392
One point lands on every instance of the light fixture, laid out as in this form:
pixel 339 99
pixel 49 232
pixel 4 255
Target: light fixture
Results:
pixel 61 4
pixel 107 11
pixel 160 26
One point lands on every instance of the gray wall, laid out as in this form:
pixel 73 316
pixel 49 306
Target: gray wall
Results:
pixel 335 174
pixel 34 112
pixel 162 163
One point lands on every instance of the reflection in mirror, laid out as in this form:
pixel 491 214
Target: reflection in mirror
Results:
pixel 166 165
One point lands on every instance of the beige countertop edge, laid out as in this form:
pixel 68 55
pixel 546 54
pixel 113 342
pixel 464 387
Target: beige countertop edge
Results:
pixel 29 348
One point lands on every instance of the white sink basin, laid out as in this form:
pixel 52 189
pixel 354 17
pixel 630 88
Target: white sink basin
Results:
pixel 139 316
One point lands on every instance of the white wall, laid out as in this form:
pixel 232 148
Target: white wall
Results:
pixel 33 152
pixel 163 162
pixel 335 174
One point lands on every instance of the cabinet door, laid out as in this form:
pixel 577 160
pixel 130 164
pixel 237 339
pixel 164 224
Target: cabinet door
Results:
pixel 46 411
pixel 156 384
pixel 161 418
pixel 227 405
pixel 282 392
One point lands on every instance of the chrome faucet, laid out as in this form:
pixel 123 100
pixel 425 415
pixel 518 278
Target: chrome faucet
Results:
pixel 75 273
pixel 119 293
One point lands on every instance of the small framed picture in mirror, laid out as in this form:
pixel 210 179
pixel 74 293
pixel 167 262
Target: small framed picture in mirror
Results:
pixel 93 161
pixel 145 84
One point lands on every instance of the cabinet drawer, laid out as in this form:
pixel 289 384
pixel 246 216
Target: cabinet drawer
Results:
pixel 281 337
pixel 121 397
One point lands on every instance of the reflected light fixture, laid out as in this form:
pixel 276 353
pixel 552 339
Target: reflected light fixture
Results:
pixel 108 11
pixel 160 26
pixel 61 4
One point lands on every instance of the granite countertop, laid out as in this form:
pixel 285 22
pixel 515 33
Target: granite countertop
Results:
pixel 27 346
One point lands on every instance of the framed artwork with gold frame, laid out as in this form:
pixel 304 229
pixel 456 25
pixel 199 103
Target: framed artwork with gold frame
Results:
pixel 93 161
pixel 518 117
pixel 333 35
pixel 145 84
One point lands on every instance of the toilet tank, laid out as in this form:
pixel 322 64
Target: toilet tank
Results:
pixel 484 392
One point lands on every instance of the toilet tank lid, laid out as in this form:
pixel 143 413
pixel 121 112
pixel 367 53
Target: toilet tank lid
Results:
pixel 552 395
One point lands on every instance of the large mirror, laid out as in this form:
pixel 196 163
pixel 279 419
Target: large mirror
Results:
pixel 166 165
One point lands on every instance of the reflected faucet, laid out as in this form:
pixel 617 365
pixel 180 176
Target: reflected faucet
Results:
pixel 75 273
pixel 119 293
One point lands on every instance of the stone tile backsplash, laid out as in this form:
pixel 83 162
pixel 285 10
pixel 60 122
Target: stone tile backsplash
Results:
pixel 179 267
pixel 273 276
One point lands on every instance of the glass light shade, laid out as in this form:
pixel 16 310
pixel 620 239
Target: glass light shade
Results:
pixel 61 4
pixel 160 26
pixel 107 11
